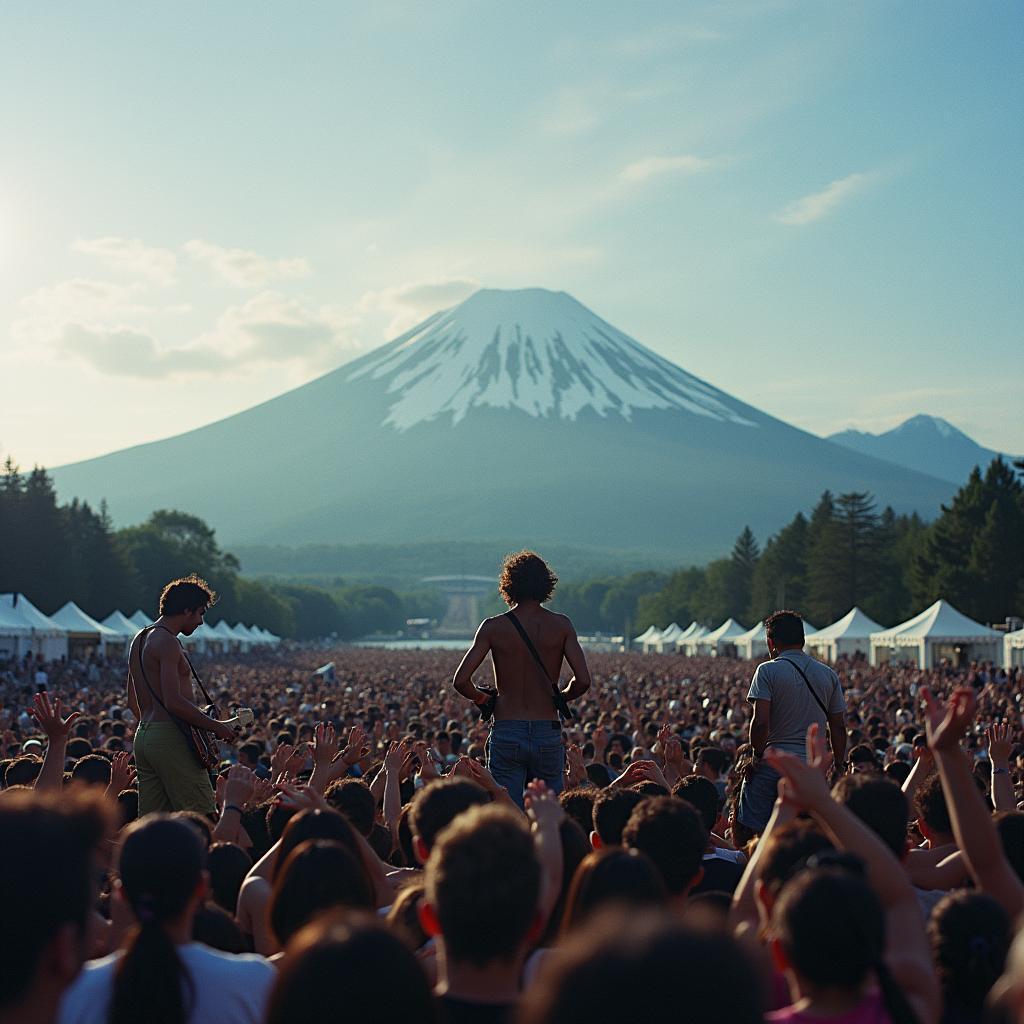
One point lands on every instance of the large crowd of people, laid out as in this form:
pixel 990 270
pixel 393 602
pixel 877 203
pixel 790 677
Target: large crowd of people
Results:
pixel 363 862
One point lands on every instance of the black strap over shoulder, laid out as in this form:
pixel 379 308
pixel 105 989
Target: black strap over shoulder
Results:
pixel 561 704
pixel 814 693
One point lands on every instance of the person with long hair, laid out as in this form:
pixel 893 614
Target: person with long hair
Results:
pixel 162 977
pixel 612 876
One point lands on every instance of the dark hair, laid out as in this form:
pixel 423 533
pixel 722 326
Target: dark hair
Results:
pixel 623 967
pixel 612 808
pixel 897 771
pixel 228 865
pixel 438 804
pixel 863 754
pixel 483 880
pixel 787 851
pixel 51 838
pixel 1010 825
pixel 804 920
pixel 578 804
pixel 930 803
pixel 612 875
pixel 215 927
pixel 78 747
pixel 186 594
pixel 785 628
pixel 93 769
pixel 252 750
pixel 970 935
pixel 525 576
pixel 355 955
pixel 22 771
pixel 353 798
pixel 161 864
pixel 880 804
pixel 314 824
pixel 128 805
pixel 318 874
pixel 714 757
pixel 671 833
pixel 702 794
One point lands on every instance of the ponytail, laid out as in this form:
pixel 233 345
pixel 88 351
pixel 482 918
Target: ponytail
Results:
pixel 161 865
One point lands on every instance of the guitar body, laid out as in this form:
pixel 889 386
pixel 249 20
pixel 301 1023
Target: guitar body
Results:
pixel 206 746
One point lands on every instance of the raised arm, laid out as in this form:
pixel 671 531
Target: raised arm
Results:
pixel 474 657
pixel 998 737
pixel 57 729
pixel 973 827
pixel 573 653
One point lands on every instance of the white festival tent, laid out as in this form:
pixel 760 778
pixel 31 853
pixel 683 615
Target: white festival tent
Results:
pixel 669 635
pixel 754 643
pixel 15 634
pixel 694 629
pixel 718 640
pixel 938 632
pixel 83 629
pixel 140 619
pixel 649 635
pixel 204 638
pixel 120 623
pixel 1013 649
pixel 45 638
pixel 268 637
pixel 849 635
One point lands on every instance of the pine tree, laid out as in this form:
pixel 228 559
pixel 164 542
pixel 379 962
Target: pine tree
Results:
pixel 780 577
pixel 745 555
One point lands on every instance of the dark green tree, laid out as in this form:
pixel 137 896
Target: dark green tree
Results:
pixel 744 559
pixel 780 575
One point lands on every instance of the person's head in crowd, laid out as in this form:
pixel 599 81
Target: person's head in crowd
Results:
pixel 128 806
pixel 702 794
pixel 970 935
pixel 525 576
pixel 22 771
pixel 353 798
pixel 93 770
pixel 77 748
pixel 932 813
pixel 482 897
pixel 670 832
pixel 249 754
pixel 862 758
pixel 880 804
pixel 228 865
pixel 202 825
pixel 213 926
pixel 314 824
pixel 820 955
pixel 436 806
pixel 786 853
pixel 48 861
pixel 711 762
pixel 354 962
pixel 162 868
pixel 650 788
pixel 185 601
pixel 1010 826
pixel 638 966
pixel 598 774
pixel 898 771
pixel 317 875
pixel 611 811
pixel 578 804
pixel 784 631
pixel 610 876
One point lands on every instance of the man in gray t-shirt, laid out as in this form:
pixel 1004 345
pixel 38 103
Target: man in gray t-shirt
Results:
pixel 788 694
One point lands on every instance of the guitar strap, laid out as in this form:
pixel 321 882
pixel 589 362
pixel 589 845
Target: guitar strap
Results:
pixel 561 705
pixel 814 693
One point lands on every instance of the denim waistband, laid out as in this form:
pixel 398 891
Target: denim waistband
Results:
pixel 526 727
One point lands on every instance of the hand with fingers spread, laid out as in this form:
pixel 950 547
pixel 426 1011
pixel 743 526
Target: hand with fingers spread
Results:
pixel 48 716
pixel 300 798
pixel 122 772
pixel 648 771
pixel 262 791
pixel 238 786
pixel 999 745
pixel 395 757
pixel 357 747
pixel 428 770
pixel 542 806
pixel 325 745
pixel 947 726
pixel 803 784
pixel 280 758
pixel 480 775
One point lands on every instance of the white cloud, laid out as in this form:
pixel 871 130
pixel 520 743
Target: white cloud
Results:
pixel 132 256
pixel 654 166
pixel 818 204
pixel 128 352
pixel 408 304
pixel 242 268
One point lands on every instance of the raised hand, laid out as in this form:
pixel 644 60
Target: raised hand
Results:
pixel 325 745
pixel 575 770
pixel 947 726
pixel 480 775
pixel 647 771
pixel 805 785
pixel 122 772
pixel 238 785
pixel 357 747
pixel 999 745
pixel 395 757
pixel 262 791
pixel 280 758
pixel 428 770
pixel 542 806
pixel 300 797
pixel 48 716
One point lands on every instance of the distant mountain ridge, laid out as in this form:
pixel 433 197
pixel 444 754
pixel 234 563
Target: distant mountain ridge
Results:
pixel 517 417
pixel 928 444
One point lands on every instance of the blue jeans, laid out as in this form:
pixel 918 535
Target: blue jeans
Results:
pixel 757 798
pixel 519 751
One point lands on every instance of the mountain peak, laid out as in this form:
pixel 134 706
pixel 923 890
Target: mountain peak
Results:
pixel 922 422
pixel 538 351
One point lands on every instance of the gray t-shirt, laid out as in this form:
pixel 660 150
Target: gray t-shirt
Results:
pixel 793 708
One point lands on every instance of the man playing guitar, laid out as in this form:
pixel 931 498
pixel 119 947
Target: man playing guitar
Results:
pixel 161 697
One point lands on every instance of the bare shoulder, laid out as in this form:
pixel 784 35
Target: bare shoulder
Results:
pixel 563 621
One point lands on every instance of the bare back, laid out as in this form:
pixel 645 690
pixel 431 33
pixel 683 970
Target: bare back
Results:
pixel 165 666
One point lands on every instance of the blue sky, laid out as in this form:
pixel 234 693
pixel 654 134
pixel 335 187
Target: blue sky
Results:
pixel 816 207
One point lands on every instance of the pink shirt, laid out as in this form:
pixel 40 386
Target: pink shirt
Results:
pixel 870 1010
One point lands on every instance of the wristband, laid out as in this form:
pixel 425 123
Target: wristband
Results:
pixel 233 807
pixel 1000 771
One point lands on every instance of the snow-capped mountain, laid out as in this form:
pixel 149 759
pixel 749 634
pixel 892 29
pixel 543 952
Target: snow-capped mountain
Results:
pixel 928 444
pixel 514 418
pixel 534 350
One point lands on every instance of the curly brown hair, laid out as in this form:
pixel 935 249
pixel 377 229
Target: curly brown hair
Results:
pixel 186 594
pixel 525 576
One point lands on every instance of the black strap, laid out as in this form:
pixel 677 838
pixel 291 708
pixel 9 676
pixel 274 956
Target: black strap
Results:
pixel 814 693
pixel 560 702
pixel 145 678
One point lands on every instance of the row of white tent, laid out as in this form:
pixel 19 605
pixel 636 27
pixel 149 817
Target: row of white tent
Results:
pixel 24 629
pixel 939 632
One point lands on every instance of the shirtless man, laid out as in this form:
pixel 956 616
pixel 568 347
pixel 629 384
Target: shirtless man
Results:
pixel 160 685
pixel 526 738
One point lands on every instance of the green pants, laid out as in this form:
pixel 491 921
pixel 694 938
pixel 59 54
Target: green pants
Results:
pixel 170 778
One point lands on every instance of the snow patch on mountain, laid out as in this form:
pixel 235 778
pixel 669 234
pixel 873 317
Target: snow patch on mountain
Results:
pixel 537 351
